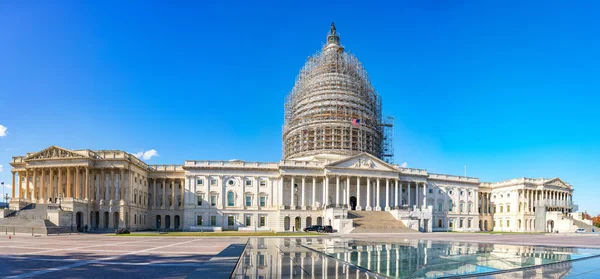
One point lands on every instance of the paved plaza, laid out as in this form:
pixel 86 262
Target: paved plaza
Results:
pixel 101 256
pixel 107 256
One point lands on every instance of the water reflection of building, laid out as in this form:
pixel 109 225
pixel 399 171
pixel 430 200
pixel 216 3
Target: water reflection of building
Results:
pixel 305 258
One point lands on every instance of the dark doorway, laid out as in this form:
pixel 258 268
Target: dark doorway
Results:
pixel 79 220
pixel 176 222
pixel 167 221
pixel 352 203
pixel 106 216
pixel 158 222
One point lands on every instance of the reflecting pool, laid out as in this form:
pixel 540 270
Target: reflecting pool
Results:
pixel 350 258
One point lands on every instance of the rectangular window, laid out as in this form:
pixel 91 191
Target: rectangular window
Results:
pixel 248 200
pixel 261 260
pixel 200 182
pixel 263 201
pixel 469 209
pixel 263 183
pixel 213 221
pixel 248 221
pixel 461 223
pixel 440 207
pixel 213 182
pixel 248 182
pixel 200 198
pixel 263 221
pixel 430 191
pixel 198 220
pixel 469 223
pixel 213 200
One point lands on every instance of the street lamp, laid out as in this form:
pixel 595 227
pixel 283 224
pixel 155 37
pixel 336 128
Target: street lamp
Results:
pixel 6 199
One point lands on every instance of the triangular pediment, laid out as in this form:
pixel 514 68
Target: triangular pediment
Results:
pixel 54 152
pixel 363 161
pixel 557 182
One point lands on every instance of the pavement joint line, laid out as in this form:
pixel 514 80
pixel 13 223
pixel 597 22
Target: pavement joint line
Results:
pixel 101 260
pixel 70 249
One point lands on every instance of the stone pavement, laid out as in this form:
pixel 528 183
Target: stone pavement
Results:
pixel 103 256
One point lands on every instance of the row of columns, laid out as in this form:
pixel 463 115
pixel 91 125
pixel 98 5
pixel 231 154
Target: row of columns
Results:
pixel 164 182
pixel 532 197
pixel 47 184
pixel 341 195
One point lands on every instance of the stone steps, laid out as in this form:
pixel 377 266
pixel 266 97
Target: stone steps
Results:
pixel 376 222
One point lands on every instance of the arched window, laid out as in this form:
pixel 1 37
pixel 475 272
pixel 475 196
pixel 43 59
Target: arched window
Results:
pixel 230 199
pixel 508 209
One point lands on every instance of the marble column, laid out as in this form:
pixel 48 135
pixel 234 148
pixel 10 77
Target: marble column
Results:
pixel 43 187
pixel 424 195
pixel 292 204
pixel 164 194
pixel 409 197
pixel 378 197
pixel 77 183
pixel 61 192
pixel 154 199
pixel 182 198
pixel 303 203
pixel 369 194
pixel 387 194
pixel 122 185
pixel 280 191
pixel 27 182
pixel 325 185
pixel 337 190
pixel 314 189
pixel 173 201
pixel 68 186
pixel 35 184
pixel 358 203
pixel 396 204
pixel 347 191
pixel 87 185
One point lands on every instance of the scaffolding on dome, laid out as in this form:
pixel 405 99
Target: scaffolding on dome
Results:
pixel 331 91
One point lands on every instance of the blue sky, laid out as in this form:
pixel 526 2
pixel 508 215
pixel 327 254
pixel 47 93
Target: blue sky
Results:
pixel 509 89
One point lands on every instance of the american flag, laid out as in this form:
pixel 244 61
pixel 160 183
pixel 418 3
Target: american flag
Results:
pixel 356 122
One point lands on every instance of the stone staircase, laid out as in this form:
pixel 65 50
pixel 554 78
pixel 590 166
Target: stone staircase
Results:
pixel 36 226
pixel 585 226
pixel 376 222
pixel 32 218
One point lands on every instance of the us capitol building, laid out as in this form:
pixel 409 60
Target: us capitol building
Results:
pixel 334 166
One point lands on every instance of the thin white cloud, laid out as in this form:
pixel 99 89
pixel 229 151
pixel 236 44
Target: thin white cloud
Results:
pixel 146 155
pixel 403 165
pixel 3 131
pixel 8 149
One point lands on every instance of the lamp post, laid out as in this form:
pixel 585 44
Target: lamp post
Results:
pixel 6 199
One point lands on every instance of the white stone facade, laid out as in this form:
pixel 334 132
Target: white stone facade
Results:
pixel 121 191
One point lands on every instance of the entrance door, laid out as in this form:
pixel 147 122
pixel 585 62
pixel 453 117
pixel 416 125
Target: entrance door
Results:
pixel 297 223
pixel 167 222
pixel 79 220
pixel 176 222
pixel 231 222
pixel 353 203
pixel 158 222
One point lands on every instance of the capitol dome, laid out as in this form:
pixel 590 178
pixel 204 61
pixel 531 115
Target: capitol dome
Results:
pixel 333 110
